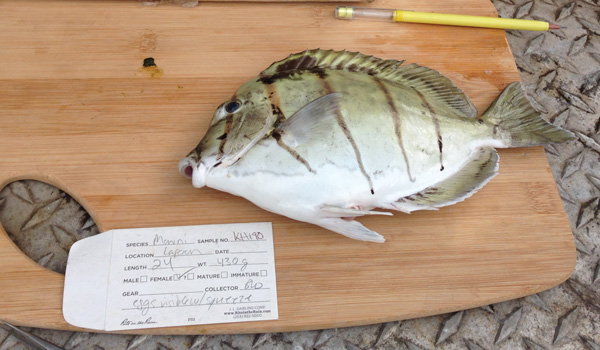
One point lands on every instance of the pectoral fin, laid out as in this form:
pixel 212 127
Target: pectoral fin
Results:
pixel 311 122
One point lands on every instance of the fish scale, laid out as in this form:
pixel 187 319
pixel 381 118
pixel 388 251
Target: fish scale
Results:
pixel 327 136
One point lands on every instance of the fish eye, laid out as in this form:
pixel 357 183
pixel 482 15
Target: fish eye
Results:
pixel 232 106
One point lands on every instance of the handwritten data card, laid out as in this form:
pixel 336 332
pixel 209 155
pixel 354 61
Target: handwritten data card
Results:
pixel 172 276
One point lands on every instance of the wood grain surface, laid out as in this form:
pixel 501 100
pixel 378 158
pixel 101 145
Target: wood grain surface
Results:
pixel 78 110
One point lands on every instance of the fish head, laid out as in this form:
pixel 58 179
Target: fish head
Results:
pixel 237 125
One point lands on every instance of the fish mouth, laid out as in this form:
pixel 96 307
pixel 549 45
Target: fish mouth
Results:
pixel 186 168
pixel 193 170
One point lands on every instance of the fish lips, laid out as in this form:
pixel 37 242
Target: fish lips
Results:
pixel 194 170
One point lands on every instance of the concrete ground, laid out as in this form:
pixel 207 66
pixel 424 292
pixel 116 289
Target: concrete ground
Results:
pixel 560 71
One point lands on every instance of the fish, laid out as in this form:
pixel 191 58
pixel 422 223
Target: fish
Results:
pixel 326 136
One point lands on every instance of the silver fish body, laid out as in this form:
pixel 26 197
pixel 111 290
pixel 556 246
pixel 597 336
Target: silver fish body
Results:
pixel 324 137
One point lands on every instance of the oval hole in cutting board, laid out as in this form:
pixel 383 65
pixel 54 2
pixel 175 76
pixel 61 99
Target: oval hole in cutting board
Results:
pixel 43 221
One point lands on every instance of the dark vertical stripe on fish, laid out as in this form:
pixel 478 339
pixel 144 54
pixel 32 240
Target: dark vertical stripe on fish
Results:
pixel 228 123
pixel 436 123
pixel 291 151
pixel 342 123
pixel 278 115
pixel 397 122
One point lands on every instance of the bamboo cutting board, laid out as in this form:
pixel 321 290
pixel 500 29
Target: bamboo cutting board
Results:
pixel 78 110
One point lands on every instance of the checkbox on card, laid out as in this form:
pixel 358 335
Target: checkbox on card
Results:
pixel 190 276
pixel 143 279
pixel 263 273
pixel 224 274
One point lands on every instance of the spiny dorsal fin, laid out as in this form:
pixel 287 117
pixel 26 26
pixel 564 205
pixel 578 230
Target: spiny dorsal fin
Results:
pixel 428 82
pixel 329 59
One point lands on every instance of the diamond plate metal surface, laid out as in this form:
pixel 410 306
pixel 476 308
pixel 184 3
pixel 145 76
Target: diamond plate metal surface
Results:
pixel 560 71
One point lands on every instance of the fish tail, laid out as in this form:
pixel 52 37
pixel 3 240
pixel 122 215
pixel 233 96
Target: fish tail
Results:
pixel 516 124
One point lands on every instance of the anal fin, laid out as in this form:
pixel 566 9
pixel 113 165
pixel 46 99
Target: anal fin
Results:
pixel 351 212
pixel 478 171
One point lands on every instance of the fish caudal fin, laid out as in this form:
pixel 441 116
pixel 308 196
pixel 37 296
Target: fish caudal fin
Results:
pixel 351 229
pixel 517 124
pixel 480 168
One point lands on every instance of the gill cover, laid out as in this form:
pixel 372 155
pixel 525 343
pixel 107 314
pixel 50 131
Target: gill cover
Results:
pixel 248 117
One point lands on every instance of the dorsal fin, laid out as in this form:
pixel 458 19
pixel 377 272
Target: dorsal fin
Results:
pixel 432 84
pixel 329 59
pixel 427 81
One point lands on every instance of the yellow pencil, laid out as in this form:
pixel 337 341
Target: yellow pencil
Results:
pixel 350 12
